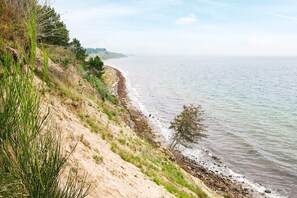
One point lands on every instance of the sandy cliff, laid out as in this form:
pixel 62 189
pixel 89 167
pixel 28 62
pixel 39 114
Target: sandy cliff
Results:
pixel 118 163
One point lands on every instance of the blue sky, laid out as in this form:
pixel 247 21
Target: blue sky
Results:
pixel 184 27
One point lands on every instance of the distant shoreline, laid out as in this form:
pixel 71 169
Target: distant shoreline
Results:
pixel 139 122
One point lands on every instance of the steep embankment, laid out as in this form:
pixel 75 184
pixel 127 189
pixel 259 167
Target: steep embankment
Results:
pixel 118 163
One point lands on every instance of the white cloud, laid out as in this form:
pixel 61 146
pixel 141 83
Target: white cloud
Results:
pixel 283 16
pixel 187 20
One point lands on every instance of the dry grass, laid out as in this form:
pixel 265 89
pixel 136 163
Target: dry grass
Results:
pixel 12 25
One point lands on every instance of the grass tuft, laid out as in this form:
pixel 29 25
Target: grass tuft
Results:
pixel 98 159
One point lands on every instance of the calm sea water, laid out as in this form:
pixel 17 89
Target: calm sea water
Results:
pixel 250 106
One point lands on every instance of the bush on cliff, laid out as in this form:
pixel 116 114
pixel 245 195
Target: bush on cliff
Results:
pixel 80 52
pixel 95 65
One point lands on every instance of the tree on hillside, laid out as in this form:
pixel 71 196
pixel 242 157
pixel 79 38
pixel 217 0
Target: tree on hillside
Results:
pixel 187 126
pixel 80 52
pixel 50 28
pixel 96 66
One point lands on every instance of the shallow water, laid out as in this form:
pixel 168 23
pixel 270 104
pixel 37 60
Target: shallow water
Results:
pixel 250 106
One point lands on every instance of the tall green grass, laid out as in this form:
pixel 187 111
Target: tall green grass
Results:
pixel 31 155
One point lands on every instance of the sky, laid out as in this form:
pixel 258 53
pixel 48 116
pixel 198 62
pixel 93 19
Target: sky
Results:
pixel 184 27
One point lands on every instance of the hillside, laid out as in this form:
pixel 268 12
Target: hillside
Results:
pixel 103 53
pixel 117 161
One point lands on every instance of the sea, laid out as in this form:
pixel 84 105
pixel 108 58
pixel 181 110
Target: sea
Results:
pixel 250 110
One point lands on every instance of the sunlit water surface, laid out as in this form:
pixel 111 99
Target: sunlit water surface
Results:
pixel 250 106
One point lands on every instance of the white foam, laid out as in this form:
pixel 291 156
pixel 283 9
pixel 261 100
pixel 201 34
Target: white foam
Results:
pixel 208 161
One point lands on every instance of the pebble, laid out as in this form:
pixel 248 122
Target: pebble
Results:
pixel 267 191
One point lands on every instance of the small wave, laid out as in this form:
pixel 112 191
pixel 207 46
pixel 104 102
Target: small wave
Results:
pixel 206 159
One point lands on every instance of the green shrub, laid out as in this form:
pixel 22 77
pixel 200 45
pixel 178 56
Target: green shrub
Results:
pixel 95 65
pixel 79 51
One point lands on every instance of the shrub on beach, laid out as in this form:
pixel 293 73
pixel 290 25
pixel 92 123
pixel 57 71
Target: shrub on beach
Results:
pixel 187 126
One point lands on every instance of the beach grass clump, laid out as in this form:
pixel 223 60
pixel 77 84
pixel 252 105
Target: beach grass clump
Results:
pixel 98 159
pixel 31 153
pixel 92 122
pixel 31 157
pixel 85 142
pixel 106 135
pixel 66 91
pixel 105 132
pixel 113 146
pixel 113 112
pixel 111 115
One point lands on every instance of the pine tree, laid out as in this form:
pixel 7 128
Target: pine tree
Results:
pixel 50 28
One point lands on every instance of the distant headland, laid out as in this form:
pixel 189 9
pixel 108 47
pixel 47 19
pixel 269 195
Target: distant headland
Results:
pixel 103 53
